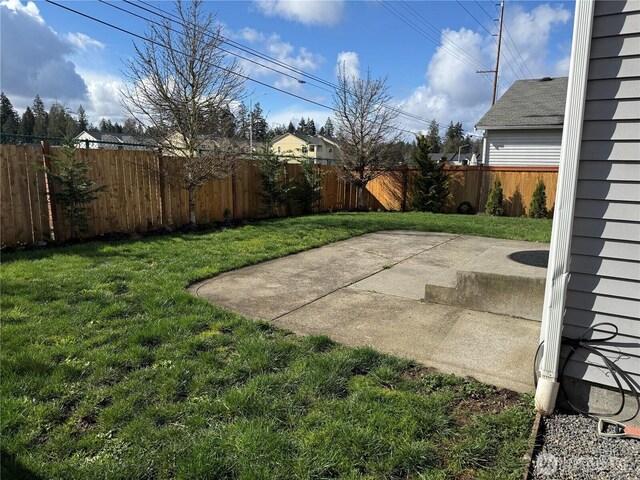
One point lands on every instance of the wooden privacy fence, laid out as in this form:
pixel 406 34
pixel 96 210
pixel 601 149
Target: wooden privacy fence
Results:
pixel 143 193
pixel 469 184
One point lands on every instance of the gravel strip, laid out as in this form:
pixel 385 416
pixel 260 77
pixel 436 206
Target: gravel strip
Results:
pixel 572 449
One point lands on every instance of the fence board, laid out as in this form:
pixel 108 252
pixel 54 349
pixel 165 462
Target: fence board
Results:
pixel 7 215
pixel 144 192
pixel 38 200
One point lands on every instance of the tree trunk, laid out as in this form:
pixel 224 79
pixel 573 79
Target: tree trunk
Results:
pixel 361 189
pixel 192 206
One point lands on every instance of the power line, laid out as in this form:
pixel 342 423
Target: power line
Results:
pixel 489 32
pixel 242 47
pixel 518 52
pixel 220 48
pixel 141 37
pixel 485 12
pixel 472 16
pixel 410 23
pixel 246 77
pixel 435 29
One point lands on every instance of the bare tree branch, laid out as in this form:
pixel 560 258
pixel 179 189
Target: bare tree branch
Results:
pixel 366 129
pixel 178 81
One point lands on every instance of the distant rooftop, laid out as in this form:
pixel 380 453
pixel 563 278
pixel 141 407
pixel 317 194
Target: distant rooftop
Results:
pixel 529 103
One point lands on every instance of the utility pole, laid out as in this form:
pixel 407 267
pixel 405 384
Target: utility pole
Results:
pixel 497 69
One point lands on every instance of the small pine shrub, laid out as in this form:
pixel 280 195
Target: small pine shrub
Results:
pixel 307 191
pixel 432 183
pixel 538 205
pixel 275 187
pixel 74 189
pixel 495 202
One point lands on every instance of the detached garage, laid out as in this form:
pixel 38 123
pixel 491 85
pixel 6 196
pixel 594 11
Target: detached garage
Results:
pixel 524 127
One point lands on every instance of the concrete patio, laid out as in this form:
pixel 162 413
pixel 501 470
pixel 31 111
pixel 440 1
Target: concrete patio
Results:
pixel 481 318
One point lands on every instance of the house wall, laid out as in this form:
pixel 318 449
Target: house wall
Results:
pixel 86 136
pixel 605 251
pixel 292 145
pixel 523 147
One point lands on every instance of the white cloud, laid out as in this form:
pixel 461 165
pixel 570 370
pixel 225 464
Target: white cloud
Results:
pixel 83 42
pixel 455 92
pixel 272 45
pixel 34 58
pixel 104 96
pixel 30 9
pixel 249 35
pixel 309 12
pixel 350 62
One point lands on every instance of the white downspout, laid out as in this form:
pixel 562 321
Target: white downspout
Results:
pixel 559 257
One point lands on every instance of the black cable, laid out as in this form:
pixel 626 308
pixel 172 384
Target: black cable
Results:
pixel 112 5
pixel 494 39
pixel 246 77
pixel 267 58
pixel 591 346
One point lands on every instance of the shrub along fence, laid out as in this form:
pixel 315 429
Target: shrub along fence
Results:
pixel 470 184
pixel 143 193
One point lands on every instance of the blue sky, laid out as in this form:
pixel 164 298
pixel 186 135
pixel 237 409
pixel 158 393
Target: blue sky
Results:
pixel 428 50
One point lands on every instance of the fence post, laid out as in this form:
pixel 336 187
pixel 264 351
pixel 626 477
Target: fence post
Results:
pixel 481 175
pixel 405 173
pixel 52 213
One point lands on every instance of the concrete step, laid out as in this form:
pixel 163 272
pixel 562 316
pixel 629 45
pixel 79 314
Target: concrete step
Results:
pixel 494 283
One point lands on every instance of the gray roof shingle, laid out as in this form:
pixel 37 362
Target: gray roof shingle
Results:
pixel 529 103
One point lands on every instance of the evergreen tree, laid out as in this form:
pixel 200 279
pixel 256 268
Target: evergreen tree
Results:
pixel 57 121
pixel 291 128
pixel 307 191
pixel 83 121
pixel 226 123
pixel 329 129
pixel 495 202
pixel 242 121
pixel 431 184
pixel 75 190
pixel 71 127
pixel 9 119
pixel 117 128
pixel 104 126
pixel 453 138
pixel 259 123
pixel 278 130
pixel 27 125
pixel 132 127
pixel 275 187
pixel 311 127
pixel 41 118
pixel 538 205
pixel 433 137
pixel 322 132
pixel 302 127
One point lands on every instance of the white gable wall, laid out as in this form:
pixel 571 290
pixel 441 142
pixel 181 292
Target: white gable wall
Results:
pixel 523 147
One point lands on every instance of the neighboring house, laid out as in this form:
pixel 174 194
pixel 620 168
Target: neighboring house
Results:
pixel 121 141
pixel 174 145
pixel 462 159
pixel 524 127
pixel 321 149
pixel 594 266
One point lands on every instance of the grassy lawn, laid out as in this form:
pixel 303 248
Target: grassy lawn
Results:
pixel 109 369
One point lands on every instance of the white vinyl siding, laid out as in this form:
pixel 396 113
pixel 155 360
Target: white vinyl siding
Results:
pixel 605 257
pixel 523 147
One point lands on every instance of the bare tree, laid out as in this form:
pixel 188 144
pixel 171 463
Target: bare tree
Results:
pixel 178 80
pixel 366 129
